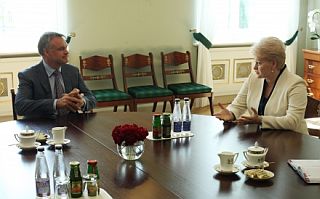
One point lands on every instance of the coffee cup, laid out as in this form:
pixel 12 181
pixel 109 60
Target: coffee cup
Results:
pixel 58 134
pixel 25 140
pixel 254 159
pixel 227 160
pixel 255 155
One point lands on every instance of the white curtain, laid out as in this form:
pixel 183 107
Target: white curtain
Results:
pixel 292 26
pixel 204 70
pixel 219 22
pixel 204 73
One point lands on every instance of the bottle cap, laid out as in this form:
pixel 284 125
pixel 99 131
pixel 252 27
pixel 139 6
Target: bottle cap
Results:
pixel 177 99
pixel 186 99
pixel 58 146
pixel 92 162
pixel 40 148
pixel 74 163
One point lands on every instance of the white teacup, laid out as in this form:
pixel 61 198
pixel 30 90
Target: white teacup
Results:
pixel 58 134
pixel 26 140
pixel 227 159
pixel 255 155
pixel 254 159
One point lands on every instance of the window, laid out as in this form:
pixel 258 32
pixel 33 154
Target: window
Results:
pixel 245 21
pixel 23 22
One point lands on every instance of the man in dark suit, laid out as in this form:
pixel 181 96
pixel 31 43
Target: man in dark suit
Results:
pixel 52 87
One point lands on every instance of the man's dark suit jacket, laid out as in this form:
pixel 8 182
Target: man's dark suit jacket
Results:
pixel 34 96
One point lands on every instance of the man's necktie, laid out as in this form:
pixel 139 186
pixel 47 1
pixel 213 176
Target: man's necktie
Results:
pixel 57 84
pixel 58 89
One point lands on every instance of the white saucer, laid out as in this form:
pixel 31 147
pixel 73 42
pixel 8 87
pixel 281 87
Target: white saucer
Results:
pixel 235 169
pixel 36 144
pixel 246 164
pixel 51 141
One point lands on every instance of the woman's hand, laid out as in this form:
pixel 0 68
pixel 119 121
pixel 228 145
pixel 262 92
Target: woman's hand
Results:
pixel 252 119
pixel 224 114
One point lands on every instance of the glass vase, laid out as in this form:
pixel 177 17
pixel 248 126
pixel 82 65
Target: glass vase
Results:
pixel 131 152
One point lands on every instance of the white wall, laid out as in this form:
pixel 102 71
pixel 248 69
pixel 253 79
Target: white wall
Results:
pixel 126 26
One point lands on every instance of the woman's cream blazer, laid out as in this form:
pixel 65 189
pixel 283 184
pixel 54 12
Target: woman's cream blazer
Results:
pixel 285 108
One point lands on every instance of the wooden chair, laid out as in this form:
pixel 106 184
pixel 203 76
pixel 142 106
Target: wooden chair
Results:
pixel 177 63
pixel 100 69
pixel 313 110
pixel 13 98
pixel 140 68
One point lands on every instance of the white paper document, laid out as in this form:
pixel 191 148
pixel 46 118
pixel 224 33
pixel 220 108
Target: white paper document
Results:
pixel 313 123
pixel 308 170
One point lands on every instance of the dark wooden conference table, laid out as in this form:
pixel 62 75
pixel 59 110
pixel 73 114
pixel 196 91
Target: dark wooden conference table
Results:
pixel 180 168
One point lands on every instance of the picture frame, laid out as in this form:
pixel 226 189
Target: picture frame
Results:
pixel 6 83
pixel 242 69
pixel 220 71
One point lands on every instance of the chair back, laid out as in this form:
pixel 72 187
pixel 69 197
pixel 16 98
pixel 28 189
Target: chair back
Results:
pixel 176 63
pixel 98 68
pixel 137 66
pixel 13 98
pixel 313 108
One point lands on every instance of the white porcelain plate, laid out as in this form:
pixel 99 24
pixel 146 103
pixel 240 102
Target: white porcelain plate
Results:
pixel 235 169
pixel 247 165
pixel 51 141
pixel 259 174
pixel 36 144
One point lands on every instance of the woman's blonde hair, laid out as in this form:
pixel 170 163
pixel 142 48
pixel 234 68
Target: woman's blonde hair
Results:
pixel 270 48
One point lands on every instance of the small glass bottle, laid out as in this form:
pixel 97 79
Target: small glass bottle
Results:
pixel 166 125
pixel 176 116
pixel 186 115
pixel 156 126
pixel 60 177
pixel 93 169
pixel 42 176
pixel 75 180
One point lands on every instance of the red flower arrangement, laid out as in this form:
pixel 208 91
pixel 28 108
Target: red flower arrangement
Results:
pixel 128 133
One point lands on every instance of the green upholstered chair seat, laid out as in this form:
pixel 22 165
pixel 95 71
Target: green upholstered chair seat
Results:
pixel 107 95
pixel 188 88
pixel 148 91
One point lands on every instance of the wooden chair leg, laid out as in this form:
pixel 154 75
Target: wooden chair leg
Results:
pixel 125 108
pixel 172 106
pixel 115 108
pixel 154 107
pixel 211 105
pixel 164 106
pixel 191 103
pixel 135 108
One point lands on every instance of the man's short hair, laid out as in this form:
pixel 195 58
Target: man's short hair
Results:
pixel 45 40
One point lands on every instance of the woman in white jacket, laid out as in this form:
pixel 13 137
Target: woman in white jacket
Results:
pixel 274 97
